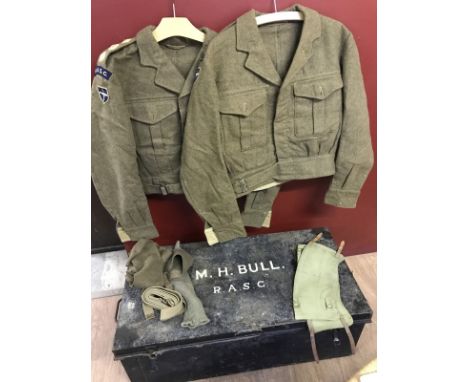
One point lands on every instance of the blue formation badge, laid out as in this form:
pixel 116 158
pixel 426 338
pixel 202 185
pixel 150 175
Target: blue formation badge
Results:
pixel 103 94
pixel 100 71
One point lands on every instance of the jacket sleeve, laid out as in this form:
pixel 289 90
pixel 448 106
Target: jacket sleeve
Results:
pixel 355 157
pixel 204 175
pixel 114 160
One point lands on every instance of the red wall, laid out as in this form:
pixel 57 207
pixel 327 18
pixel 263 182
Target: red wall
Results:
pixel 300 203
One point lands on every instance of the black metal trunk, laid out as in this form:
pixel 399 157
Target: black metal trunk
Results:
pixel 246 287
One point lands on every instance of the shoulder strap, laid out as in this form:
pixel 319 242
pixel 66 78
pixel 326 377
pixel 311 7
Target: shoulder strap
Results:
pixel 112 49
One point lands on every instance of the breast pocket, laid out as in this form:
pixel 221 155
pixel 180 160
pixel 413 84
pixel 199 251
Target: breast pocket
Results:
pixel 243 116
pixel 317 106
pixel 156 125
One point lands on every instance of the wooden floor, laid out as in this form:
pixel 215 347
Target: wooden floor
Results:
pixel 105 369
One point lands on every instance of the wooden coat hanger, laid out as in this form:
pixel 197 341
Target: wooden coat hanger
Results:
pixel 177 26
pixel 279 16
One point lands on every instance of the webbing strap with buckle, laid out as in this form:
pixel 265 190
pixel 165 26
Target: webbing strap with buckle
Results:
pixel 168 301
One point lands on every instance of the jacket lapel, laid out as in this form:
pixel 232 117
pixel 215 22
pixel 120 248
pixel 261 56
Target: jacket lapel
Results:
pixel 311 30
pixel 258 61
pixel 249 40
pixel 151 54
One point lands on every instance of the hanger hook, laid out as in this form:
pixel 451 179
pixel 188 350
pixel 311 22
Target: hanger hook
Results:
pixel 274 4
pixel 173 9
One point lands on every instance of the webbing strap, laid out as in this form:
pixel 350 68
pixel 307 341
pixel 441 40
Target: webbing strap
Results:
pixel 312 341
pixel 349 334
pixel 168 301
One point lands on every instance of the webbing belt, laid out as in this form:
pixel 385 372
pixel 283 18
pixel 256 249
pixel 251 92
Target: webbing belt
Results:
pixel 168 301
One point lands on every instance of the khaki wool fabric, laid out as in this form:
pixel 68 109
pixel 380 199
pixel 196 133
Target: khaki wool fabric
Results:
pixel 145 265
pixel 275 103
pixel 257 206
pixel 177 272
pixel 137 128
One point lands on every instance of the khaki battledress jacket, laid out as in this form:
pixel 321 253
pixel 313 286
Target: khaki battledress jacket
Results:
pixel 275 103
pixel 139 104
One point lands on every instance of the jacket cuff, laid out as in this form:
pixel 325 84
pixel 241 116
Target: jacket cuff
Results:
pixel 220 235
pixel 143 232
pixel 342 198
pixel 257 219
pixel 226 234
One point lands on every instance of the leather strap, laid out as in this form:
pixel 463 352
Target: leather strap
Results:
pixel 340 249
pixel 349 334
pixel 316 238
pixel 312 341
pixel 168 301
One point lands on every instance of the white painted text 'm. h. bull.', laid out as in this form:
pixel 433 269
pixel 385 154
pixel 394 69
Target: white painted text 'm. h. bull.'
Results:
pixel 240 269
pixel 261 267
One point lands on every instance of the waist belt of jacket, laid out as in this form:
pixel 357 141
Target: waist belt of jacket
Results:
pixel 168 301
pixel 316 294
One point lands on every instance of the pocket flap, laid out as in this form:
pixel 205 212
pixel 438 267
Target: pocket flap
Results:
pixel 242 103
pixel 320 88
pixel 152 113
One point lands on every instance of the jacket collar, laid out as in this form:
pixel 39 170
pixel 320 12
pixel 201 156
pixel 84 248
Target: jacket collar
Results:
pixel 249 40
pixel 151 54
